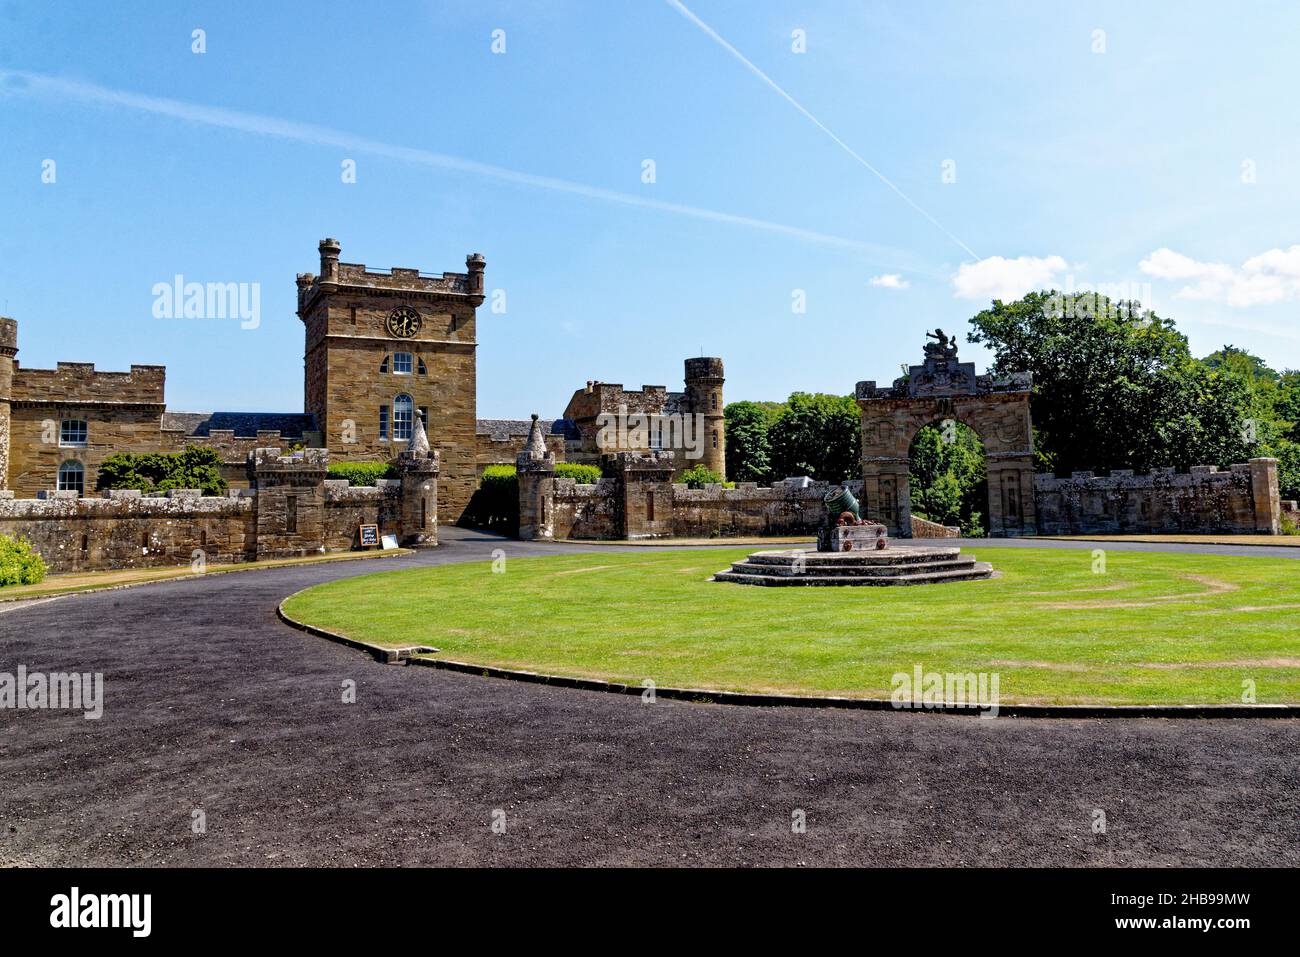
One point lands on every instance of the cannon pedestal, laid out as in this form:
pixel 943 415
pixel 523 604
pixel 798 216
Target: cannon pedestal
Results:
pixel 852 538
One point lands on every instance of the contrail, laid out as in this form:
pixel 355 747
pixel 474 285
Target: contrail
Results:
pixel 718 39
pixel 22 82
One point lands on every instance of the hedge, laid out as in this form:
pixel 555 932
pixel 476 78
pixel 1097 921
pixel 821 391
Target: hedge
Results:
pixel 196 466
pixel 361 473
pixel 19 562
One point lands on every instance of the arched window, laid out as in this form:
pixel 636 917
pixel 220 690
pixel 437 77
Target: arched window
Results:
pixel 402 363
pixel 72 432
pixel 403 412
pixel 72 477
pixel 383 366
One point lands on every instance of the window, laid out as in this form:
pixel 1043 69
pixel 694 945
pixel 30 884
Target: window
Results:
pixel 383 366
pixel 72 432
pixel 403 413
pixel 715 438
pixel 72 477
pixel 649 506
pixel 424 418
pixel 422 370
pixel 291 514
pixel 713 400
pixel 383 423
pixel 402 363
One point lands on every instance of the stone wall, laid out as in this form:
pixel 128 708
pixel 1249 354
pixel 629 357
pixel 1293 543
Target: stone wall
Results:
pixel 586 511
pixel 785 508
pixel 650 506
pixel 924 528
pixel 124 529
pixel 292 512
pixel 1243 499
pixel 347 507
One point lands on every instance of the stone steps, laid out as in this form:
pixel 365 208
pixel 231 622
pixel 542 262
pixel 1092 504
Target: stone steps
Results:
pixel 959 563
pixel 889 566
pixel 890 556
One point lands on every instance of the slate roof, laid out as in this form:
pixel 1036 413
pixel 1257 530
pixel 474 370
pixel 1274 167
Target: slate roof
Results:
pixel 506 428
pixel 245 425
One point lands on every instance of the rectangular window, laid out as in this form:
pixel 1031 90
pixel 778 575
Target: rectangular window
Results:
pixel 72 478
pixel 72 432
pixel 383 423
pixel 424 417
pixel 403 362
pixel 403 423
pixel 649 506
pixel 290 514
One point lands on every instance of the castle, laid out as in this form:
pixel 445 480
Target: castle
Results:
pixel 390 376
pixel 382 348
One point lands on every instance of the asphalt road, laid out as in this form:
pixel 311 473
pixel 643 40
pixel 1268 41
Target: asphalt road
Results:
pixel 213 706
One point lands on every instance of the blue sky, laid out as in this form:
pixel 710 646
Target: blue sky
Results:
pixel 1166 163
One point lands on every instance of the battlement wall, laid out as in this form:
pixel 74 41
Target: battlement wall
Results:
pixel 75 383
pixel 1242 499
pixel 295 512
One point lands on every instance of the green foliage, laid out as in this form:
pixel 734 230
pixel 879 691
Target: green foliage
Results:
pixel 583 474
pixel 698 476
pixel 20 564
pixel 749 452
pixel 195 466
pixel 818 435
pixel 361 473
pixel 1116 387
pixel 949 477
pixel 1288 468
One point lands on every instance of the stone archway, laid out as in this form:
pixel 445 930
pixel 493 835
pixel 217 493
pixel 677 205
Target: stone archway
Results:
pixel 944 388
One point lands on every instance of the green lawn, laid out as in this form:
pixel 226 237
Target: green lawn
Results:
pixel 1153 628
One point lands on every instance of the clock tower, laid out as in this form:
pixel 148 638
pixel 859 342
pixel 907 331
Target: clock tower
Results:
pixel 386 346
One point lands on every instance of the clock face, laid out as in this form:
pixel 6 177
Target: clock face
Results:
pixel 403 322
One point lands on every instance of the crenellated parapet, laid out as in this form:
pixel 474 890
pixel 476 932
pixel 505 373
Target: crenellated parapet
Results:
pixel 1241 499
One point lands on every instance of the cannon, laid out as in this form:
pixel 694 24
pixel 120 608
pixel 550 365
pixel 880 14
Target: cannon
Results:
pixel 841 500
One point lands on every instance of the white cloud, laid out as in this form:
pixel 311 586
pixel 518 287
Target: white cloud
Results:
pixel 1270 277
pixel 1007 279
pixel 890 280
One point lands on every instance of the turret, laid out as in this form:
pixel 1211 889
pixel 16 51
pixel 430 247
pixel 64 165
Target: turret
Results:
pixel 8 349
pixel 535 468
pixel 704 380
pixel 329 260
pixel 475 264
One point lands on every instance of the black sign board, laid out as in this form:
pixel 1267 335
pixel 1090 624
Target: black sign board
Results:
pixel 369 536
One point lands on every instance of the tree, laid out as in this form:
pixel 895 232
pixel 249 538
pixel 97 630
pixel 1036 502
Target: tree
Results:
pixel 195 466
pixel 818 435
pixel 1115 386
pixel 948 477
pixel 748 448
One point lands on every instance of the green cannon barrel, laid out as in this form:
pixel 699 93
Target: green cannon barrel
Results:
pixel 841 500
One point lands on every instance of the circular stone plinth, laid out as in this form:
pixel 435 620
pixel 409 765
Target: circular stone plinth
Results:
pixel 893 565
